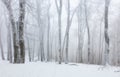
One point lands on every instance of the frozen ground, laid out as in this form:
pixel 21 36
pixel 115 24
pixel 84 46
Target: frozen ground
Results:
pixel 39 69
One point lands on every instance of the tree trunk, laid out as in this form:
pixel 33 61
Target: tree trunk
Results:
pixel 48 34
pixel 9 57
pixel 59 10
pixel 106 33
pixel 67 31
pixel 1 46
pixel 21 30
pixel 88 30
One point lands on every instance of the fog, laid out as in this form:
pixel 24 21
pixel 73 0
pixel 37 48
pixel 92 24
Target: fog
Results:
pixel 36 29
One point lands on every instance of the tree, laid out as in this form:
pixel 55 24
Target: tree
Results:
pixel 7 3
pixel 69 22
pixel 88 29
pixel 59 11
pixel 67 31
pixel 9 54
pixel 106 32
pixel 48 31
pixel 41 23
pixel 21 30
pixel 17 42
pixel 1 46
pixel 81 31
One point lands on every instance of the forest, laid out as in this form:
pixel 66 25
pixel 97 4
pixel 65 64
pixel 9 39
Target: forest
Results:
pixel 63 31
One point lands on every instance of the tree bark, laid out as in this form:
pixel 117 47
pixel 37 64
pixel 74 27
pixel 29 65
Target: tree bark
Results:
pixel 106 33
pixel 21 30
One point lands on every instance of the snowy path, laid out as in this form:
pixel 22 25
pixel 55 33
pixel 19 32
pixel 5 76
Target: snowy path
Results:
pixel 55 70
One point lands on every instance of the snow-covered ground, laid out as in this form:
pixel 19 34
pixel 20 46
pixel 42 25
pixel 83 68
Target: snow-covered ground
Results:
pixel 39 69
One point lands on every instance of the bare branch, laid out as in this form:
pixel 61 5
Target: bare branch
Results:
pixel 57 5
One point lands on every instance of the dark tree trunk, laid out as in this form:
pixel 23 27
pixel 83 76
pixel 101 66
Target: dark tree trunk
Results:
pixel 21 30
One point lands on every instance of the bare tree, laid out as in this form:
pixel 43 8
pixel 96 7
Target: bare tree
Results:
pixel 88 29
pixel 38 4
pixel 59 11
pixel 21 30
pixel 41 24
pixel 15 29
pixel 106 32
pixel 81 31
pixel 70 16
pixel 48 31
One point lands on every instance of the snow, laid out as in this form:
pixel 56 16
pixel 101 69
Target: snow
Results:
pixel 39 69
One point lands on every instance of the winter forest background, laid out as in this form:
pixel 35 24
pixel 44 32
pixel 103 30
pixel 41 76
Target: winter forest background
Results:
pixel 79 31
